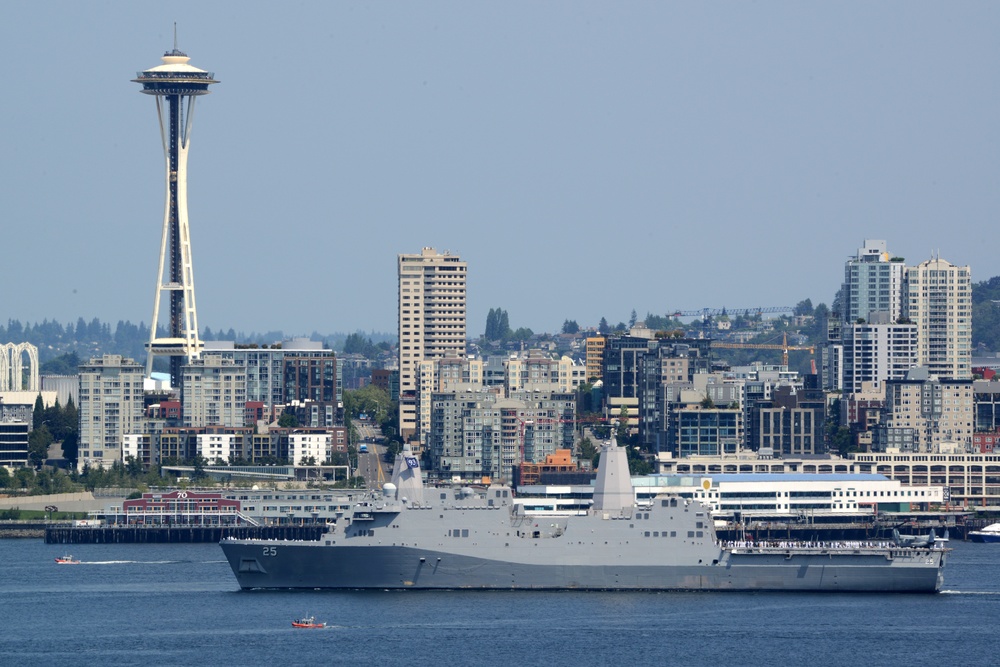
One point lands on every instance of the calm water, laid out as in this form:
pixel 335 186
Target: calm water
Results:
pixel 180 605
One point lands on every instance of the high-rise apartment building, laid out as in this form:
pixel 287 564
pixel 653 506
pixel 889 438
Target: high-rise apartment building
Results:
pixel 213 391
pixel 442 375
pixel 297 369
pixel 431 321
pixel 938 299
pixel 923 411
pixel 877 351
pixel 791 423
pixel 595 356
pixel 863 343
pixel 111 392
pixel 873 282
pixel 531 371
pixel 476 434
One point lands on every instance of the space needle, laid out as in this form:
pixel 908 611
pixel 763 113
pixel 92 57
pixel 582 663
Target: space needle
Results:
pixel 175 84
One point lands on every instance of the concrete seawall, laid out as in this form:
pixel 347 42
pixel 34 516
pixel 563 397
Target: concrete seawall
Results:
pixel 83 501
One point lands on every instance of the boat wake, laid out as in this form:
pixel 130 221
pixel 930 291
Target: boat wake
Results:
pixel 996 593
pixel 131 562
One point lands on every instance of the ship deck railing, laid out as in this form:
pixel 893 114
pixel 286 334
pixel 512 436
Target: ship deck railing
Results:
pixel 839 547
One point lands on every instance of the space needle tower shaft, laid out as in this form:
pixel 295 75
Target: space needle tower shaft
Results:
pixel 175 84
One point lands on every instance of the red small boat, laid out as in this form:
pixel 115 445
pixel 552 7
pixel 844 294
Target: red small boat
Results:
pixel 67 560
pixel 307 622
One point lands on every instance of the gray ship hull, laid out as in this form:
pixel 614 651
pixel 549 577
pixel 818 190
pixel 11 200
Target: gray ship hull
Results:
pixel 411 537
pixel 314 565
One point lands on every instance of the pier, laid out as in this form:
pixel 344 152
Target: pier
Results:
pixel 176 534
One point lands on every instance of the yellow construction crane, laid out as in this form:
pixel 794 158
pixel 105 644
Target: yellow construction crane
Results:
pixel 784 347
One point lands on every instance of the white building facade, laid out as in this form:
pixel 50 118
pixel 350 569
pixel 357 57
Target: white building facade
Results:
pixel 431 321
pixel 938 299
pixel 305 445
pixel 876 352
pixel 111 406
pixel 214 392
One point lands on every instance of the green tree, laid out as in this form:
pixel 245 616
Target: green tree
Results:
pixel 842 441
pixel 288 420
pixel 621 431
pixel 497 324
pixel 570 327
pixel 355 343
pixel 523 333
pixel 199 468
pixel 503 325
pixel 491 325
pixel 370 400
pixel 65 364
pixel 603 327
pixel 24 478
pixel 585 399
pixel 38 412
pixel 637 465
pixel 133 466
pixel 38 445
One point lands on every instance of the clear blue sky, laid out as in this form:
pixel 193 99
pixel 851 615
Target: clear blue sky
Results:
pixel 585 158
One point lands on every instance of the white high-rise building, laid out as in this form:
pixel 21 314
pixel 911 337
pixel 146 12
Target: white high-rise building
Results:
pixel 877 351
pixel 871 306
pixel 431 321
pixel 922 412
pixel 214 392
pixel 938 299
pixel 873 282
pixel 111 391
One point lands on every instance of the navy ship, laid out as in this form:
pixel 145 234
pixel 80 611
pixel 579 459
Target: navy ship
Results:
pixel 407 535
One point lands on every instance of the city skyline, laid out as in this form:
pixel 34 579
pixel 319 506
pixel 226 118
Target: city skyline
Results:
pixel 653 157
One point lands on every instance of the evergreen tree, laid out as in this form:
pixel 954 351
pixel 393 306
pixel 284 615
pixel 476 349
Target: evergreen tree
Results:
pixel 503 325
pixel 491 325
pixel 38 413
pixel 38 445
pixel 15 331
pixel 570 327
pixel 604 328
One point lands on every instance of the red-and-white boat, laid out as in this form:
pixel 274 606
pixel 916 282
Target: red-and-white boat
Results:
pixel 307 622
pixel 67 560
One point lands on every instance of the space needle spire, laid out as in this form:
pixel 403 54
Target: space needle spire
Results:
pixel 175 84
